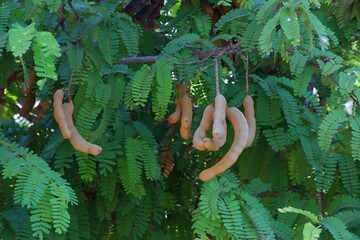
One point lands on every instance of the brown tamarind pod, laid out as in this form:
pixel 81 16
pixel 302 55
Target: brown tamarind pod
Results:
pixel 241 131
pixel 250 118
pixel 185 132
pixel 59 114
pixel 205 126
pixel 180 90
pixel 219 131
pixel 214 144
pixel 26 89
pixel 176 116
pixel 76 140
pixel 28 105
pixel 12 78
pixel 186 111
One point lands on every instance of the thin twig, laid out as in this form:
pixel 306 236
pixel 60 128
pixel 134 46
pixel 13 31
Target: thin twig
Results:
pixel 74 11
pixel 247 73
pixel 217 89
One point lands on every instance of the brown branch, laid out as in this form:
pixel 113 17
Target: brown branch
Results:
pixel 202 55
pixel 74 11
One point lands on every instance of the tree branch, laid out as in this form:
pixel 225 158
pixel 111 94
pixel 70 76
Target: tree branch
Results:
pixel 202 55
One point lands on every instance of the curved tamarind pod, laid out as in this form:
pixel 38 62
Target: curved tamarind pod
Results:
pixel 176 116
pixel 214 144
pixel 186 111
pixel 32 79
pixel 180 90
pixel 250 118
pixel 205 125
pixel 76 140
pixel 59 114
pixel 241 130
pixel 219 131
pixel 28 104
pixel 185 132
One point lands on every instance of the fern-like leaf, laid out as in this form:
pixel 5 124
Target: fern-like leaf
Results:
pixel 233 15
pixel 329 127
pixel 203 24
pixel 109 42
pixel 276 138
pixel 163 86
pixel 336 227
pixel 311 232
pixel 129 35
pixel 266 41
pixel 4 18
pixel 231 216
pixel 20 38
pixel 311 216
pixel 355 139
pixel 290 25
pixel 349 174
pixel 141 85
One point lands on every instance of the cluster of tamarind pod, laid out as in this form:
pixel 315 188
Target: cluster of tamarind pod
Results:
pixel 63 115
pixel 183 111
pixel 145 11
pixel 214 117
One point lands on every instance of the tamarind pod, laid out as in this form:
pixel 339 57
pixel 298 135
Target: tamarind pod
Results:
pixel 185 132
pixel 26 89
pixel 180 89
pixel 186 111
pixel 134 6
pixel 219 131
pixel 76 140
pixel 150 23
pixel 250 118
pixel 215 144
pixel 28 105
pixel 80 144
pixel 176 116
pixel 241 130
pixel 59 114
pixel 205 125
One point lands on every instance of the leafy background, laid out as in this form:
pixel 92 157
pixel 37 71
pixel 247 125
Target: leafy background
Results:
pixel 299 180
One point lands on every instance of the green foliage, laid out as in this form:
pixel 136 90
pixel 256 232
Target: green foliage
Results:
pixel 37 188
pixel 298 180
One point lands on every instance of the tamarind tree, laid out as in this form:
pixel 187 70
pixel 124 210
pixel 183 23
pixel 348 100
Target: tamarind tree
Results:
pixel 120 64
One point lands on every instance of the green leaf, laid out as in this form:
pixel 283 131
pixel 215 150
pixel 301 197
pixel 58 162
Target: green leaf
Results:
pixel 336 227
pixel 20 38
pixel 329 127
pixel 311 232
pixel 306 213
pixel 290 25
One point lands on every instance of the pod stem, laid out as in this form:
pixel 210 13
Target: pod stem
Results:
pixel 247 73
pixel 69 85
pixel 217 89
